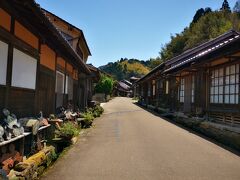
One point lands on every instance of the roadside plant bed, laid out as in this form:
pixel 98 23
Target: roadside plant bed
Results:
pixel 68 131
pixel 89 115
pixel 223 135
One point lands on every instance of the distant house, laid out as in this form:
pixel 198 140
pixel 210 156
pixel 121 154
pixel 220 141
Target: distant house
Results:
pixel 203 81
pixel 134 79
pixel 123 89
pixel 41 66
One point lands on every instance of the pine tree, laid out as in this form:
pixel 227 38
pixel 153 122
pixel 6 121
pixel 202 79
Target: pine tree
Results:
pixel 207 10
pixel 198 15
pixel 225 6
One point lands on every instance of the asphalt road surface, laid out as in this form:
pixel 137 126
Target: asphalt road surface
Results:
pixel 129 143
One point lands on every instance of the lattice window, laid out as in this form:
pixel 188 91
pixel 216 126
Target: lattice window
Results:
pixel 193 88
pixel 231 84
pixel 181 90
pixel 225 85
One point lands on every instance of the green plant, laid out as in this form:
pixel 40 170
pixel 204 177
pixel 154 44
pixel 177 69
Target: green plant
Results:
pixel 88 118
pixel 97 111
pixel 135 98
pixel 68 130
pixel 105 85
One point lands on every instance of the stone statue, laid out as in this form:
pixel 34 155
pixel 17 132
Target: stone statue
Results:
pixel 42 120
pixel 12 126
pixel 1 133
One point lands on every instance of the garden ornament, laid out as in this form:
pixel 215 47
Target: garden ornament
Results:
pixel 3 175
pixel 34 124
pixel 11 119
pixel 42 120
pixel 1 133
pixel 13 126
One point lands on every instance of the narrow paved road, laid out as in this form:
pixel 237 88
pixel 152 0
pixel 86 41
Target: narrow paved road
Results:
pixel 129 143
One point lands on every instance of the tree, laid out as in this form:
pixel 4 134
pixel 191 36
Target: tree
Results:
pixel 236 8
pixel 225 6
pixel 198 15
pixel 208 27
pixel 207 10
pixel 154 62
pixel 105 85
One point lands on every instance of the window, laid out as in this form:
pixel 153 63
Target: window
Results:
pixel 149 89
pixel 217 86
pixel 181 91
pixel 59 82
pixel 225 85
pixel 231 84
pixel 167 87
pixel 193 88
pixel 59 88
pixel 68 38
pixel 24 70
pixel 69 87
pixel 3 62
pixel 154 87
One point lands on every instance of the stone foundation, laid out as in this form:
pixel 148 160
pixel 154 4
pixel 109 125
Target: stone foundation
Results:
pixel 34 166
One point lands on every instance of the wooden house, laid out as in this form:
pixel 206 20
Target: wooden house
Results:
pixel 39 68
pixel 75 37
pixel 203 81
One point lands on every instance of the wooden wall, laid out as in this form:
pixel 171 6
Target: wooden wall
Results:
pixel 2 99
pixel 21 102
pixel 46 91
pixel 18 33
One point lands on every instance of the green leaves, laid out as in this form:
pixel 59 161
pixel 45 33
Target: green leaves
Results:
pixel 68 130
pixel 205 27
pixel 105 85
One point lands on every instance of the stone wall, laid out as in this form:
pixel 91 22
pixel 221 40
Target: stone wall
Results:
pixel 34 166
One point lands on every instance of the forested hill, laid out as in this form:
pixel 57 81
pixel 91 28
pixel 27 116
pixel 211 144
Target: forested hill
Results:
pixel 207 24
pixel 126 68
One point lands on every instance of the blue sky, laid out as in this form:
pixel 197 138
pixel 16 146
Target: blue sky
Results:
pixel 127 28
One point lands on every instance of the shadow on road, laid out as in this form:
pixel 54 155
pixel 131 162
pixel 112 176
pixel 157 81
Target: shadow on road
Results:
pixel 210 139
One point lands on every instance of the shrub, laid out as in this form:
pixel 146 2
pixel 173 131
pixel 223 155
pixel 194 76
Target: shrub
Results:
pixel 88 119
pixel 105 85
pixel 97 111
pixel 68 130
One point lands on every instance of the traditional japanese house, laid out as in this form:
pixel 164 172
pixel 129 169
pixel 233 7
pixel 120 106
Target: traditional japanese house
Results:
pixel 123 89
pixel 150 87
pixel 75 37
pixel 92 81
pixel 39 67
pixel 202 81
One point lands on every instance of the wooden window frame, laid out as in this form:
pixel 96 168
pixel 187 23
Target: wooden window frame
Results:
pixel 224 85
pixel 193 89
pixel 182 90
